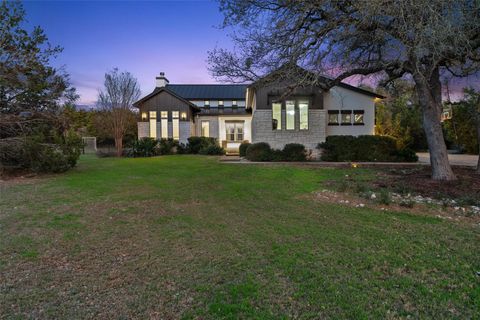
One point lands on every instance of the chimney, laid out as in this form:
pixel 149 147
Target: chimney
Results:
pixel 161 80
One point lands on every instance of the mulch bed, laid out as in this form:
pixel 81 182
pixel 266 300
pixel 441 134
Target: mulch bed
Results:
pixel 418 180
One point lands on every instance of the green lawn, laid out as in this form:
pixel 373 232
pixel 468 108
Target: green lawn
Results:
pixel 188 237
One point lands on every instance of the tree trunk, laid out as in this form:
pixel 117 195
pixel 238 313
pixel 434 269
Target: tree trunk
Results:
pixel 429 95
pixel 119 145
pixel 477 122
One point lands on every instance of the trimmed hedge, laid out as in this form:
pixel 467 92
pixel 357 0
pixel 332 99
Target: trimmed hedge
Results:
pixel 294 152
pixel 212 150
pixel 261 151
pixel 364 148
pixel 243 148
pixel 195 144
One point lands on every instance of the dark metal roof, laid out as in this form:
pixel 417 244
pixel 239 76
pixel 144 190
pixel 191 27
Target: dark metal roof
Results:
pixel 223 111
pixel 209 91
pixel 157 91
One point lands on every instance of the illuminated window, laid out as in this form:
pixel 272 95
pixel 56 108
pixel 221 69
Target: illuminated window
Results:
pixel 175 125
pixel 205 129
pixel 164 124
pixel 206 103
pixel 144 116
pixel 220 103
pixel 290 114
pixel 234 103
pixel 276 116
pixel 333 117
pixel 358 117
pixel 234 131
pixel 303 114
pixel 183 116
pixel 346 117
pixel 153 124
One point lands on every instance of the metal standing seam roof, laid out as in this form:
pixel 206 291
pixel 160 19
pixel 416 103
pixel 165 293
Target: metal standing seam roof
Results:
pixel 209 91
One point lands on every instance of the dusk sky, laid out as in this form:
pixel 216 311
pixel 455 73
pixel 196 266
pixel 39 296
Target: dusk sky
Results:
pixel 141 37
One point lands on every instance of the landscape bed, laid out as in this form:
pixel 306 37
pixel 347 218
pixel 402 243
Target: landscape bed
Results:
pixel 187 237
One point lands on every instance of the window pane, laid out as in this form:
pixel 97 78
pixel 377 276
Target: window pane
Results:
pixel 290 111
pixel 153 115
pixel 175 114
pixel 176 128
pixel 164 114
pixel 333 118
pixel 276 116
pixel 346 118
pixel 205 129
pixel 358 118
pixel 303 113
pixel 207 102
pixel 164 125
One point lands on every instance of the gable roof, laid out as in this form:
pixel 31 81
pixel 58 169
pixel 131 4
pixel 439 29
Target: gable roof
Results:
pixel 301 72
pixel 164 89
pixel 209 91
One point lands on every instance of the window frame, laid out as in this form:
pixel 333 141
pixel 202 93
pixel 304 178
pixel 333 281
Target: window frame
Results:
pixel 176 125
pixel 335 112
pixel 292 116
pixel 236 125
pixel 207 122
pixel 279 121
pixel 307 102
pixel 346 113
pixel 358 112
pixel 164 124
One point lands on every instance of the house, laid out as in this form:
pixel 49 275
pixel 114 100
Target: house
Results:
pixel 257 112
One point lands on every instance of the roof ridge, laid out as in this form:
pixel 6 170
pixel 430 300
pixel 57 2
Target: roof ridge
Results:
pixel 207 84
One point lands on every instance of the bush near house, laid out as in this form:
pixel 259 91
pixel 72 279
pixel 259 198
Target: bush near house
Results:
pixel 149 147
pixel 364 148
pixel 243 148
pixel 262 151
pixel 294 152
pixel 195 144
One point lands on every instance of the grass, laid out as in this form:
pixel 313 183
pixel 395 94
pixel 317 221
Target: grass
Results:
pixel 187 237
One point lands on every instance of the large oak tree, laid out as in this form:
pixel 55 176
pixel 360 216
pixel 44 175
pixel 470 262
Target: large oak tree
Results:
pixel 418 40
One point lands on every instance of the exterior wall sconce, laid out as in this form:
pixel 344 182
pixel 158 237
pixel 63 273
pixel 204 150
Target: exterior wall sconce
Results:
pixel 144 116
pixel 183 116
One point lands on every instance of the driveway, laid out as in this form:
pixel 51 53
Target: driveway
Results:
pixel 455 159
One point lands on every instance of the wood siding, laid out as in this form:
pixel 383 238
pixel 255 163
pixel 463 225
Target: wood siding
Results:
pixel 164 101
pixel 265 95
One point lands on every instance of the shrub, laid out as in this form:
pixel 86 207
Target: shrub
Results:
pixel 195 144
pixel 294 152
pixel 260 151
pixel 167 146
pixel 243 148
pixel 40 153
pixel 212 150
pixel 364 148
pixel 385 197
pixel 337 148
pixel 144 147
pixel 277 155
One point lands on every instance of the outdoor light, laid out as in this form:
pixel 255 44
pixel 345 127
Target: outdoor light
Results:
pixel 144 116
pixel 354 165
pixel 183 116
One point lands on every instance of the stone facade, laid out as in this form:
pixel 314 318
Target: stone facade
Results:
pixel 143 129
pixel 262 130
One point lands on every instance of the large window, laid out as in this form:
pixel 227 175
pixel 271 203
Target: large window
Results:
pixel 276 116
pixel 176 125
pixel 358 117
pixel 346 117
pixel 164 124
pixel 205 129
pixel 234 131
pixel 303 114
pixel 153 124
pixel 290 114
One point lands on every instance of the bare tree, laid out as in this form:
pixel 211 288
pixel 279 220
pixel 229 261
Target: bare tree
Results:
pixel 419 40
pixel 116 99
